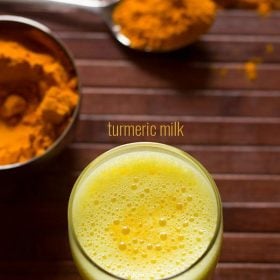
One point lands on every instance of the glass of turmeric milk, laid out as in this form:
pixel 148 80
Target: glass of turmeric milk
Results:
pixel 145 211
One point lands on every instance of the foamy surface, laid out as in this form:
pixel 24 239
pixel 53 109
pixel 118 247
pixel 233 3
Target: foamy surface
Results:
pixel 145 215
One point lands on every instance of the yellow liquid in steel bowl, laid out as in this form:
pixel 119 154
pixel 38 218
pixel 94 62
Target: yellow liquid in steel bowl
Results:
pixel 145 214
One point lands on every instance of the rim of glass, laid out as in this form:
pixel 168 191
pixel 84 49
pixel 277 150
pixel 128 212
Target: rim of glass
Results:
pixel 126 148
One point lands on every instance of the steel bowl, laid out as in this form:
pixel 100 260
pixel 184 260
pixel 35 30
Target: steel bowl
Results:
pixel 40 37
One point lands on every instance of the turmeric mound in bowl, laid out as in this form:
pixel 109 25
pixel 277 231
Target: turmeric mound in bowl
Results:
pixel 157 25
pixel 37 99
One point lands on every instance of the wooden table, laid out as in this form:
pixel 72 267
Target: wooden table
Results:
pixel 232 125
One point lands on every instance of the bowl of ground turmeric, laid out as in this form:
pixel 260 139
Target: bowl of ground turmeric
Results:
pixel 39 93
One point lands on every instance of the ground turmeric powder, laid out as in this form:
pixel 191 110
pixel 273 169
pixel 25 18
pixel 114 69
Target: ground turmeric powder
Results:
pixel 264 7
pixel 163 25
pixel 250 68
pixel 37 98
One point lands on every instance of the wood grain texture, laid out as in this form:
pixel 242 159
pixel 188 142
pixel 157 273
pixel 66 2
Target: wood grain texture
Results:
pixel 113 101
pixel 211 48
pixel 156 74
pixel 66 271
pixel 232 125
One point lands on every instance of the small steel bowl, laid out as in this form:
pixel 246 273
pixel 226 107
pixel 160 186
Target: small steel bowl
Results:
pixel 40 37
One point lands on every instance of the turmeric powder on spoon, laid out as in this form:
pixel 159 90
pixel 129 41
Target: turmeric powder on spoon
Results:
pixel 157 25
pixel 37 98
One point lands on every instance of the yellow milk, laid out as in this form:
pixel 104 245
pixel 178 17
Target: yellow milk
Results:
pixel 145 213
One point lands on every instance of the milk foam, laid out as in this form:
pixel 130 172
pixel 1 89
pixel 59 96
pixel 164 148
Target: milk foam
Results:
pixel 145 215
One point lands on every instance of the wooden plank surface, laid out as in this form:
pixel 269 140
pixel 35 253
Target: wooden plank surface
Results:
pixel 66 271
pixel 232 125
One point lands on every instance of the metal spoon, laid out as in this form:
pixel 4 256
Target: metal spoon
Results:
pixel 102 7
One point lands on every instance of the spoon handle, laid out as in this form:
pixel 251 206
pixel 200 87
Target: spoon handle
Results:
pixel 91 5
